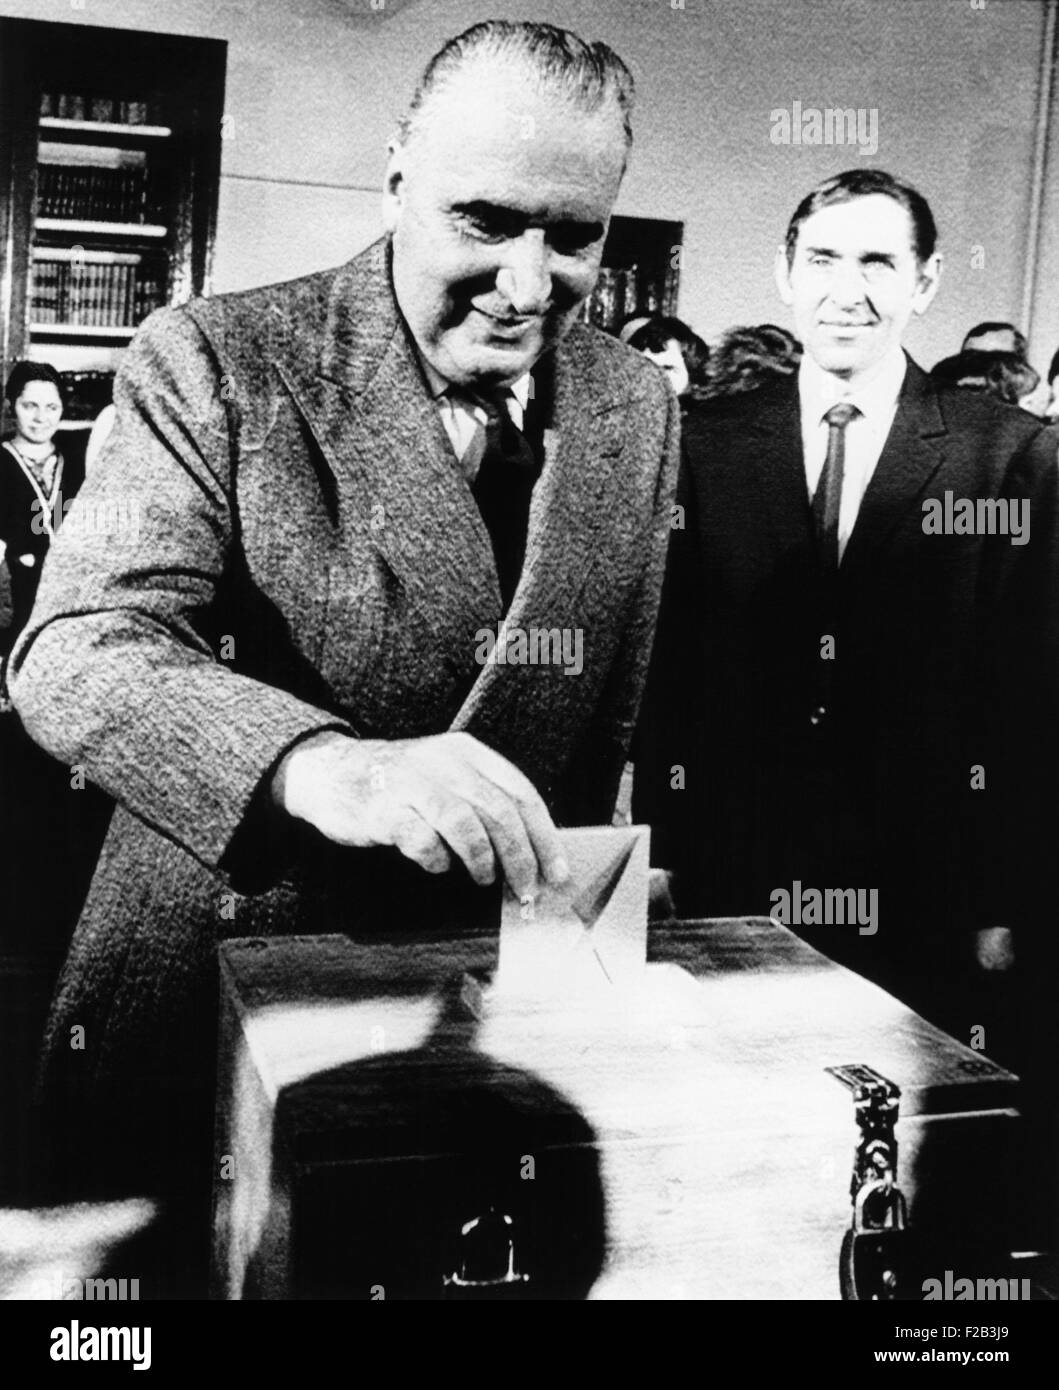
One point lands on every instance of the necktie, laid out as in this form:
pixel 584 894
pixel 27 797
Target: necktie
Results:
pixel 503 488
pixel 827 499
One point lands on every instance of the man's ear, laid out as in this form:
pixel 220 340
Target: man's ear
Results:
pixel 782 272
pixel 393 186
pixel 927 286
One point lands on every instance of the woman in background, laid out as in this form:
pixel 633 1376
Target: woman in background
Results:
pixel 36 479
pixel 679 351
pixel 51 821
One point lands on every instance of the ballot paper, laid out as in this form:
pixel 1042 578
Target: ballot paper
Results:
pixel 589 936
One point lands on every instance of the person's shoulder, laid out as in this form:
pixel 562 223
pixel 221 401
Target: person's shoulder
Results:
pixel 613 366
pixel 993 439
pixel 9 465
pixel 72 444
pixel 769 400
pixel 982 420
pixel 300 301
pixel 298 308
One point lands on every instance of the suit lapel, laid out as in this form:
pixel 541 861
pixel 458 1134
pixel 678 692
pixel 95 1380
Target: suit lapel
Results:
pixel 774 445
pixel 911 456
pixel 574 490
pixel 575 497
pixel 382 438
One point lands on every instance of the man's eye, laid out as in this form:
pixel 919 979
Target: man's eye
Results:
pixel 570 241
pixel 485 228
pixel 476 227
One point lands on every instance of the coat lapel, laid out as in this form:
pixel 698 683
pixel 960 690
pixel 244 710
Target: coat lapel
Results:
pixel 911 456
pixel 364 399
pixel 773 451
pixel 571 500
pixel 578 494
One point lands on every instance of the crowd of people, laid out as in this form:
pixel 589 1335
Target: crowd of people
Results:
pixel 993 358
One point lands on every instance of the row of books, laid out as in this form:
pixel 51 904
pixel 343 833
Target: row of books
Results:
pixel 97 194
pixel 621 291
pixel 77 106
pixel 92 295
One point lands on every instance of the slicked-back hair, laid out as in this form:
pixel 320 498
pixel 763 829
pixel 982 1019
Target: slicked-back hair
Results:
pixel 588 75
pixel 863 183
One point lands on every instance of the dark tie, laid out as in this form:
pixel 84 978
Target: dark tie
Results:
pixel 827 499
pixel 503 488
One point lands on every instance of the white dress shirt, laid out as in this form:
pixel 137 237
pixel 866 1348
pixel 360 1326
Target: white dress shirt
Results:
pixel 465 418
pixel 866 433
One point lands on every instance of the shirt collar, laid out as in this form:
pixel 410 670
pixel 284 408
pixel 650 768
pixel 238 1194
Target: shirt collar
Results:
pixel 439 385
pixel 818 390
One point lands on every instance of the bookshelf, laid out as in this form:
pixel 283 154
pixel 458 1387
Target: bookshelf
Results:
pixel 640 272
pixel 109 172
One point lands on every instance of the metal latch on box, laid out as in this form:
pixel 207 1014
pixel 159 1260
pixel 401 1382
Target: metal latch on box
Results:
pixel 877 1254
pixel 487 1260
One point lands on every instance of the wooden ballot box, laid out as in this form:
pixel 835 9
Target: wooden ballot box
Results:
pixel 390 1122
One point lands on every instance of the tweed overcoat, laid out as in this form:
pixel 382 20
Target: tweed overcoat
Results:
pixel 309 556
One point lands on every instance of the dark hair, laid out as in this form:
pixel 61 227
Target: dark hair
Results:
pixel 862 183
pixel 22 373
pixel 660 330
pixel 995 326
pixel 1003 374
pixel 746 358
pixel 1053 370
pixel 587 74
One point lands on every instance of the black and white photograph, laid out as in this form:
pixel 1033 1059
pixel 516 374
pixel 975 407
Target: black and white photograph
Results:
pixel 529 668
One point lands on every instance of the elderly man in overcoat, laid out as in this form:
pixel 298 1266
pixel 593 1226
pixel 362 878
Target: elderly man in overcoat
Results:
pixel 342 483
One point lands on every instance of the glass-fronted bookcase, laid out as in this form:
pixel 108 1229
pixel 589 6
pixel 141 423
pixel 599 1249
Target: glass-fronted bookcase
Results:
pixel 640 273
pixel 109 172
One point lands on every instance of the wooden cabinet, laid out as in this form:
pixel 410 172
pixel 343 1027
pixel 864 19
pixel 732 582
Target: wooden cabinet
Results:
pixel 109 171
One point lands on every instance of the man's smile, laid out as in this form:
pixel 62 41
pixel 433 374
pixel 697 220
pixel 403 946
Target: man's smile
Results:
pixel 508 325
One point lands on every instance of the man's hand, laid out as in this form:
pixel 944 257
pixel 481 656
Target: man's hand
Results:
pixel 432 798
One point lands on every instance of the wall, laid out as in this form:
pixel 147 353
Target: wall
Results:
pixel 314 87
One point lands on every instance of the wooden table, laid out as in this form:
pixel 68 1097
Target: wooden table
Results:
pixel 694 1112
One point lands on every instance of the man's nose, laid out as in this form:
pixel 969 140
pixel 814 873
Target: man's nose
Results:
pixel 846 286
pixel 525 279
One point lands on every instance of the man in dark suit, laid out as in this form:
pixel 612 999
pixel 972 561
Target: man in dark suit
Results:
pixel 855 673
pixel 343 482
